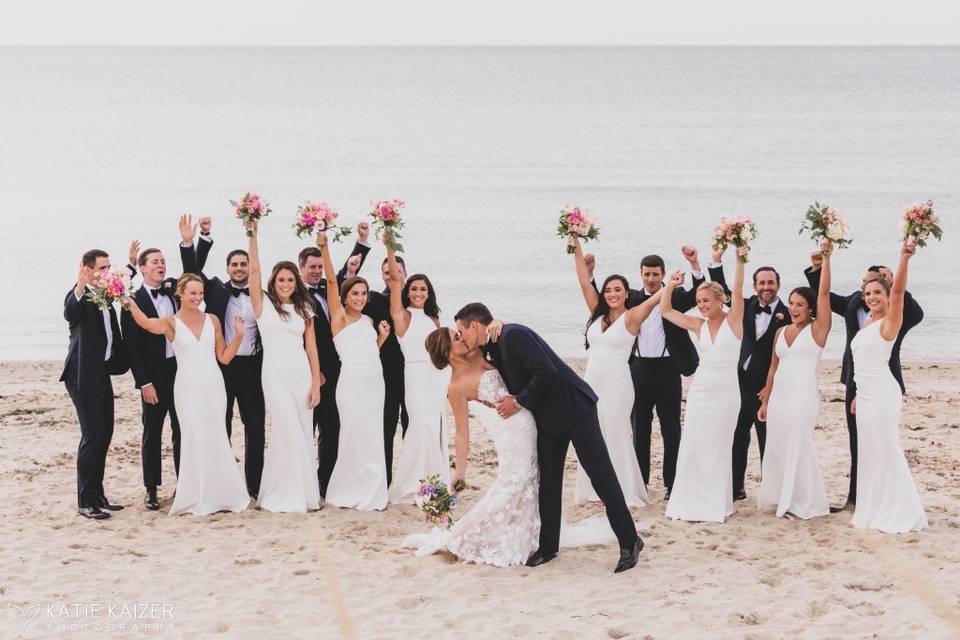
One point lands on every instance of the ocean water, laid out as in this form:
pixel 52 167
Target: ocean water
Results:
pixel 100 146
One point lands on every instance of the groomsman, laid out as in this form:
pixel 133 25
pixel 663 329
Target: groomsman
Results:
pixel 326 418
pixel 152 359
pixel 855 314
pixel 242 377
pixel 763 314
pixel 662 353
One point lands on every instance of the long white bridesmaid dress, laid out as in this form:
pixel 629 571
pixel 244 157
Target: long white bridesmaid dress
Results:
pixel 791 480
pixel 608 374
pixel 424 451
pixel 209 479
pixel 359 478
pixel 703 489
pixel 887 497
pixel 289 481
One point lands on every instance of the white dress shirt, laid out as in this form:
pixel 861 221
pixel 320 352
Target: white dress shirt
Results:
pixel 761 324
pixel 652 338
pixel 106 325
pixel 322 300
pixel 240 306
pixel 165 308
pixel 862 315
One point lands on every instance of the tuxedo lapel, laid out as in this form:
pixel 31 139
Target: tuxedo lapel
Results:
pixel 145 302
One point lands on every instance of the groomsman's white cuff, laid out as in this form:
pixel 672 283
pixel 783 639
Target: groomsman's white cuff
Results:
pixel 144 386
pixel 697 274
pixel 714 265
pixel 365 243
pixel 206 237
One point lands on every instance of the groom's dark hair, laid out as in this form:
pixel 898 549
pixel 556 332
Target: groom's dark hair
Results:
pixel 89 259
pixel 475 311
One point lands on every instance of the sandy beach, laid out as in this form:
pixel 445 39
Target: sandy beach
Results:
pixel 340 573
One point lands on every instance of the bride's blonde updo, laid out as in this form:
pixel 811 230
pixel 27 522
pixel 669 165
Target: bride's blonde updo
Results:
pixel 879 280
pixel 717 291
pixel 438 345
pixel 184 280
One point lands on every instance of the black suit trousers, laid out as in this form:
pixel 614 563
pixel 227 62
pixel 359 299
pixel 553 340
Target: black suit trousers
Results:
pixel 594 459
pixel 326 422
pixel 95 415
pixel 749 405
pixel 242 379
pixel 852 429
pixel 657 384
pixel 394 411
pixel 153 416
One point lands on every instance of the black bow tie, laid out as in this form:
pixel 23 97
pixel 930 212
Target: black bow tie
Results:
pixel 322 290
pixel 156 293
pixel 765 310
pixel 236 291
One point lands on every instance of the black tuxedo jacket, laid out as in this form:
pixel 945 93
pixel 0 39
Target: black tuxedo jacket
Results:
pixel 558 398
pixel 848 306
pixel 326 351
pixel 84 366
pixel 147 351
pixel 759 351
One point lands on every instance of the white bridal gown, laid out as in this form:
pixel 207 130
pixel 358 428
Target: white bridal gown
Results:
pixel 359 478
pixel 424 451
pixel 703 489
pixel 209 479
pixel 290 466
pixel 608 374
pixel 791 480
pixel 503 528
pixel 887 497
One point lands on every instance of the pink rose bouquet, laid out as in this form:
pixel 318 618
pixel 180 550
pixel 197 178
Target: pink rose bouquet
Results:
pixel 436 502
pixel 318 216
pixel 251 208
pixel 824 223
pixel 577 223
pixel 109 288
pixel 919 223
pixel 387 221
pixel 739 232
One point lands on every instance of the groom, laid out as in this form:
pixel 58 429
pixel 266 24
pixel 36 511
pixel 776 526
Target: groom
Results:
pixel 565 410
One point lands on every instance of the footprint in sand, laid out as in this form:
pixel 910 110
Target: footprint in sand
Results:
pixel 301 572
pixel 868 586
pixel 750 619
pixel 247 563
pixel 415 602
pixel 616 633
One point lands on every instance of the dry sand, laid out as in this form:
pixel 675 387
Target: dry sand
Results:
pixel 340 573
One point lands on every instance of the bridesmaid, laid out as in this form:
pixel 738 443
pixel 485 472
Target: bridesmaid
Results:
pixel 415 315
pixel 887 497
pixel 703 489
pixel 359 478
pixel 209 480
pixel 291 384
pixel 791 481
pixel 611 333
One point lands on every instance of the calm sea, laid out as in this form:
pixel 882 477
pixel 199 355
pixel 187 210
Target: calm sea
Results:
pixel 100 146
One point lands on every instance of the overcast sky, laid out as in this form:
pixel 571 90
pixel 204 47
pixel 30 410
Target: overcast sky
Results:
pixel 481 22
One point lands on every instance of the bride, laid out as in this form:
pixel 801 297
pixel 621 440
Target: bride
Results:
pixel 503 528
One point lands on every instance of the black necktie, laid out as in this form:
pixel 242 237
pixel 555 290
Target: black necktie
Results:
pixel 765 310
pixel 236 291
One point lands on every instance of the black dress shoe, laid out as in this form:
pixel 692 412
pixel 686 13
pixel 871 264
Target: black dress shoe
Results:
pixel 150 500
pixel 666 495
pixel 105 504
pixel 740 495
pixel 538 558
pixel 847 505
pixel 628 557
pixel 94 513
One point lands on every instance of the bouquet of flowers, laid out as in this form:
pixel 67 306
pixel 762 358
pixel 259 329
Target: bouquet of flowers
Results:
pixel 387 221
pixel 320 216
pixel 576 223
pixel 738 231
pixel 920 223
pixel 251 208
pixel 824 223
pixel 436 502
pixel 109 288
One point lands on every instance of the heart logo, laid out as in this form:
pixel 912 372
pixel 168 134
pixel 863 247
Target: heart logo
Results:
pixel 24 616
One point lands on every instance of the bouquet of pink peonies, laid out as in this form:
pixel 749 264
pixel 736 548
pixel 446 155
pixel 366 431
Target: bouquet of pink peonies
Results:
pixel 576 223
pixel 436 502
pixel 824 223
pixel 251 208
pixel 387 221
pixel 738 231
pixel 320 216
pixel 920 223
pixel 109 288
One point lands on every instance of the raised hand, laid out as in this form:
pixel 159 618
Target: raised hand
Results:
pixel 826 248
pixel 353 265
pixel 250 226
pixel 690 253
pixel 363 232
pixel 717 254
pixel 743 251
pixel 133 252
pixel 909 248
pixel 383 329
pixel 205 223
pixel 676 280
pixel 816 260
pixel 321 240
pixel 83 278
pixel 591 261
pixel 188 230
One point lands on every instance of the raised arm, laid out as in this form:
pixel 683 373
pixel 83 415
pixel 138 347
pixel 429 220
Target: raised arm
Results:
pixel 587 287
pixel 461 418
pixel 821 324
pixel 226 352
pixel 639 313
pixel 333 287
pixel 399 315
pixel 890 326
pixel 254 275
pixel 669 313
pixel 157 326
pixel 764 394
pixel 735 317
pixel 838 303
